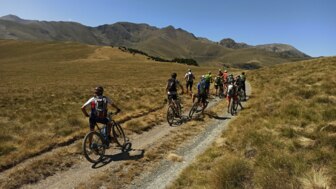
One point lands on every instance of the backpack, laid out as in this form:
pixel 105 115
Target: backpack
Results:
pixel 190 76
pixel 172 85
pixel 218 80
pixel 202 87
pixel 100 106
pixel 230 91
pixel 208 78
pixel 230 79
pixel 243 78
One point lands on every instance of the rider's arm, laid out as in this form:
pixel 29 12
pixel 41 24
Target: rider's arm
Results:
pixel 167 88
pixel 84 106
pixel 116 107
pixel 113 104
pixel 181 88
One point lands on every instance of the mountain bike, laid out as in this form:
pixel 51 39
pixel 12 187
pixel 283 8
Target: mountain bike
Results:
pixel 96 142
pixel 174 111
pixel 197 106
pixel 233 105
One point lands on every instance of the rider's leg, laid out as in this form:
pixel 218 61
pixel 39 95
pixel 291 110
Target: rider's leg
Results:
pixel 187 86
pixel 191 85
pixel 229 101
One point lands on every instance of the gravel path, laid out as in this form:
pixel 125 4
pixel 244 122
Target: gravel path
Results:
pixel 169 171
pixel 166 172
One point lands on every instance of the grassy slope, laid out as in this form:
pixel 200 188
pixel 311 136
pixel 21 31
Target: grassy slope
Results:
pixel 285 139
pixel 43 86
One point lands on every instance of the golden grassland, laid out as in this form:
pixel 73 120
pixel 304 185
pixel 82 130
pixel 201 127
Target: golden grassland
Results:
pixel 286 138
pixel 44 84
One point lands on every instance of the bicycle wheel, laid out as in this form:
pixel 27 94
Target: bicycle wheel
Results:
pixel 93 147
pixel 170 115
pixel 232 106
pixel 193 109
pixel 118 134
pixel 178 109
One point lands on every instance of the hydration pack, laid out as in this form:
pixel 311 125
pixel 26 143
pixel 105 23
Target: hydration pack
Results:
pixel 190 76
pixel 202 87
pixel 99 106
pixel 230 91
pixel 172 85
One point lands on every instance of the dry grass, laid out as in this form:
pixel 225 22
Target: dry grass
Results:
pixel 286 137
pixel 163 149
pixel 44 84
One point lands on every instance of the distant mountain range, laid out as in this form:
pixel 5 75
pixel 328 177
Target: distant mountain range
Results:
pixel 167 42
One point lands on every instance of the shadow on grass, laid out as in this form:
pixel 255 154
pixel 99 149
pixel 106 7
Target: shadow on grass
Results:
pixel 214 116
pixel 133 154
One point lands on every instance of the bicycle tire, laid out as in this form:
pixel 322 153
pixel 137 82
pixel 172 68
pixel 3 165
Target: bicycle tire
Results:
pixel 170 115
pixel 179 109
pixel 193 109
pixel 118 134
pixel 95 150
pixel 232 110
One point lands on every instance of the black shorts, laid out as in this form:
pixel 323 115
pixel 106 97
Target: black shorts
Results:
pixel 189 84
pixel 94 119
pixel 172 96
pixel 202 97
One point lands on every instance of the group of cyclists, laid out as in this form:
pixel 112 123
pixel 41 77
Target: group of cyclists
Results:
pixel 225 85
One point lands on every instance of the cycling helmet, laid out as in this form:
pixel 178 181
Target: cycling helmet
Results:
pixel 225 71
pixel 173 75
pixel 99 90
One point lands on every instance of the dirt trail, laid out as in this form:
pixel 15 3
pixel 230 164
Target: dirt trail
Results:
pixel 168 171
pixel 82 171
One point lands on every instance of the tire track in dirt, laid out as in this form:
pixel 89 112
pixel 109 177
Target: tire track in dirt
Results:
pixel 169 171
pixel 83 171
pixel 71 141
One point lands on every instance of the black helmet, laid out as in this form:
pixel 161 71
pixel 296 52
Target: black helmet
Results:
pixel 99 90
pixel 173 75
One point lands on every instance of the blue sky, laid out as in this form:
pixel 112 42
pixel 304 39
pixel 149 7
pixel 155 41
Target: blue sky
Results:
pixel 309 25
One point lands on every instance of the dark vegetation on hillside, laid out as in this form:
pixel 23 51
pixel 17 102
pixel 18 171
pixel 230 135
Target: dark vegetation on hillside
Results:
pixel 187 61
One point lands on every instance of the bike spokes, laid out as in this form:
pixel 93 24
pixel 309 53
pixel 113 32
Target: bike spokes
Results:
pixel 93 147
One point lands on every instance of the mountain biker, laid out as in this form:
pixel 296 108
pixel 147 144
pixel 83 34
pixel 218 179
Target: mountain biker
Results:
pixel 243 78
pixel 171 87
pixel 231 90
pixel 208 80
pixel 189 77
pixel 218 83
pixel 201 93
pixel 232 93
pixel 220 73
pixel 98 114
pixel 225 76
pixel 230 79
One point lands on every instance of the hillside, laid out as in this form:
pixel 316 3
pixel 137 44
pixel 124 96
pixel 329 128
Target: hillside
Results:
pixel 167 42
pixel 286 137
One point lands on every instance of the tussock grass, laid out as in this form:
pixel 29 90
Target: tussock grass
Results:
pixel 286 139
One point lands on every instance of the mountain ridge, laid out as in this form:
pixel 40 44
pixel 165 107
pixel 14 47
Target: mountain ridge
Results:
pixel 167 42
